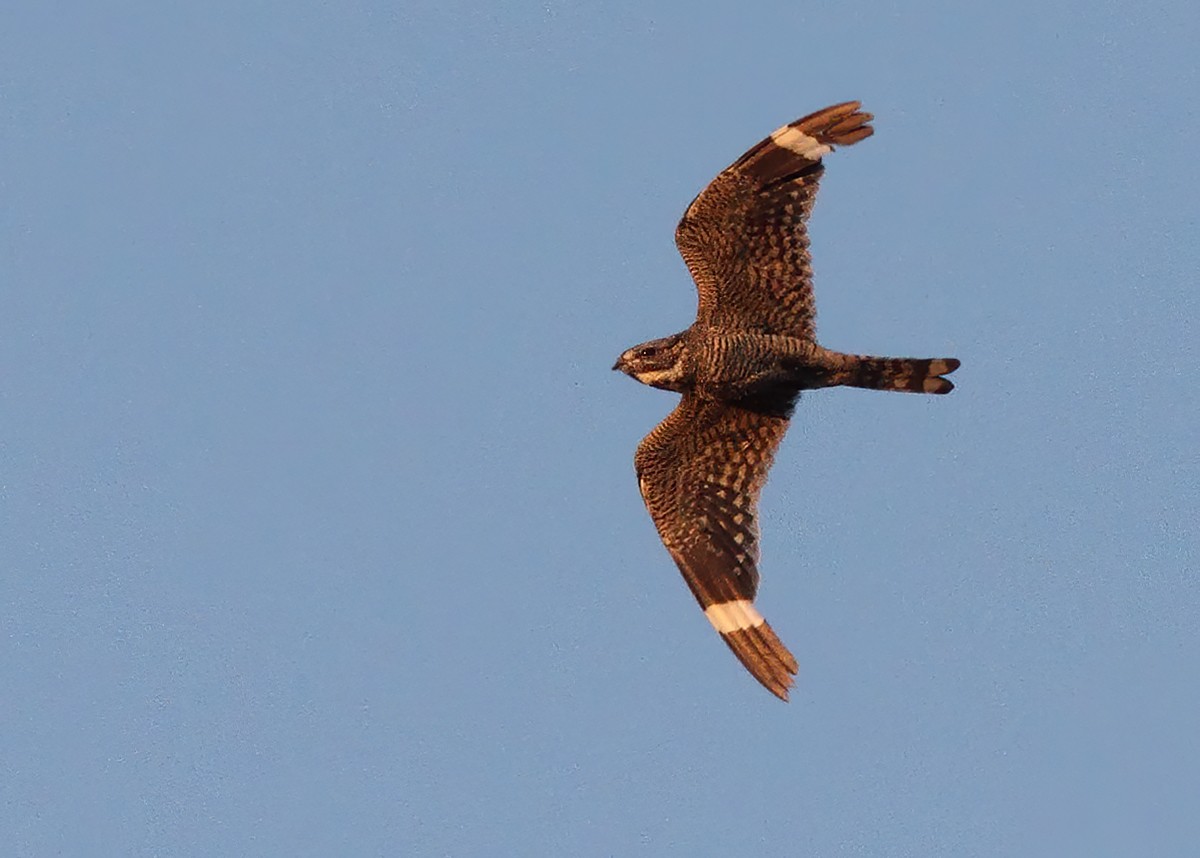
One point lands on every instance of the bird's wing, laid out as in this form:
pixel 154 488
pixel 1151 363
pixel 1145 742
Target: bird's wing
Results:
pixel 700 472
pixel 744 238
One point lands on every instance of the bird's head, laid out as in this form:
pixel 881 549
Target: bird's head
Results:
pixel 658 363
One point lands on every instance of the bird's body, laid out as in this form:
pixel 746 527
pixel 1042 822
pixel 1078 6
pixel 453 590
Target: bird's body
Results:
pixel 741 367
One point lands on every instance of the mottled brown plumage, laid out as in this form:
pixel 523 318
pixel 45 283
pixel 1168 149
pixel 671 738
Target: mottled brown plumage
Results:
pixel 741 367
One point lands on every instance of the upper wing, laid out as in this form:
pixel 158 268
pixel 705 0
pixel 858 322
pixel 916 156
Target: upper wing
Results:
pixel 700 472
pixel 745 240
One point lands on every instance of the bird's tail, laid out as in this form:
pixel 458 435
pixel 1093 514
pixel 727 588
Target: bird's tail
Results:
pixel 910 375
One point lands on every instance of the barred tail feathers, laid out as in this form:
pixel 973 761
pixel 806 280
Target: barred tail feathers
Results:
pixel 908 375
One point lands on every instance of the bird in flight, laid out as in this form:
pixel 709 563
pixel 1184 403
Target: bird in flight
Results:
pixel 741 367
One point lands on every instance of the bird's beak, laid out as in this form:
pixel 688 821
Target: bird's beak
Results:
pixel 620 364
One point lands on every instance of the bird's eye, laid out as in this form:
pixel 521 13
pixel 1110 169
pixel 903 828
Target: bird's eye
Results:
pixel 648 351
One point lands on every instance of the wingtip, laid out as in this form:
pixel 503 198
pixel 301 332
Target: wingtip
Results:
pixel 839 124
pixel 798 147
pixel 765 657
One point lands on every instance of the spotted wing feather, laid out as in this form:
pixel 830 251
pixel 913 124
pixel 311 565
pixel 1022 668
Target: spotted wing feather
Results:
pixel 745 237
pixel 701 471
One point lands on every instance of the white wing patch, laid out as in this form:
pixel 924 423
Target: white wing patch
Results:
pixel 733 616
pixel 797 141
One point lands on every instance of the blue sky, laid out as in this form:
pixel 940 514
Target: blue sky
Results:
pixel 319 527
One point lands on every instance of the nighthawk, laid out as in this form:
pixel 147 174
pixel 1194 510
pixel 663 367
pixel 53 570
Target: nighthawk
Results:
pixel 741 367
